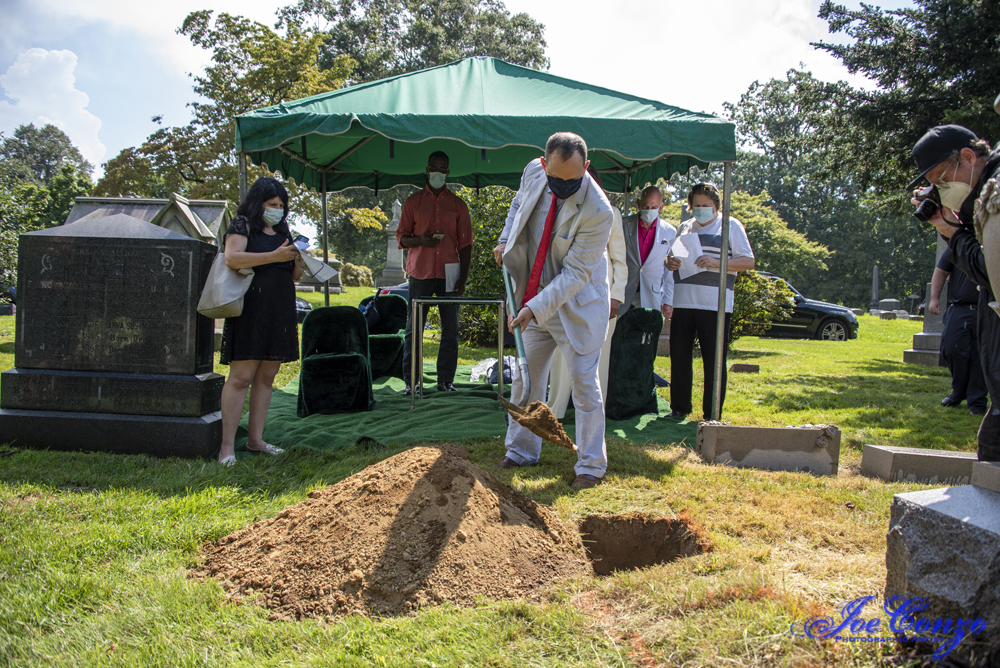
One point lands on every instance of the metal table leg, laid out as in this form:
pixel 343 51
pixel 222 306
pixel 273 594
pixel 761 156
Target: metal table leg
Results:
pixel 413 352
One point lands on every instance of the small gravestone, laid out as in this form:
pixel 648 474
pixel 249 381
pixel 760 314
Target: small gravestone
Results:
pixel 858 311
pixel 744 368
pixel 110 351
pixel 812 448
pixel 889 305
pixel 898 464
pixel 887 315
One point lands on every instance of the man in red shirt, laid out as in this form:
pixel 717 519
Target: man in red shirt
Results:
pixel 436 228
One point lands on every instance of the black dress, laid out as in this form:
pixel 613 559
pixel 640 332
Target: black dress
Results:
pixel 267 329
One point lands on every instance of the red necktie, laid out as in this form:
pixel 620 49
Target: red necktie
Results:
pixel 543 250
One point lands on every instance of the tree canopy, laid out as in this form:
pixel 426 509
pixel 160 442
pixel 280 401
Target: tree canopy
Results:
pixel 36 155
pixel 389 37
pixel 933 63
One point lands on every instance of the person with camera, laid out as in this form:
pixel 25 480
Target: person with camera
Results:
pixel 958 164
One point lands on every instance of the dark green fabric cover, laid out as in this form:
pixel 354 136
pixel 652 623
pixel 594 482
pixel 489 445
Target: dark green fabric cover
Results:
pixel 490 117
pixel 630 371
pixel 386 337
pixel 336 375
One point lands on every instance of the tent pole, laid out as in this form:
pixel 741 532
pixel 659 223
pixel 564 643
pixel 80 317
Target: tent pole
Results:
pixel 241 160
pixel 720 326
pixel 326 257
pixel 628 191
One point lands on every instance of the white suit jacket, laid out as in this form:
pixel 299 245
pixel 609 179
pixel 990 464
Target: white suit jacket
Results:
pixel 650 279
pixel 577 299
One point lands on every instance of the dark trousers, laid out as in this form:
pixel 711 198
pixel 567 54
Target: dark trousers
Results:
pixel 960 349
pixel 447 359
pixel 989 357
pixel 685 325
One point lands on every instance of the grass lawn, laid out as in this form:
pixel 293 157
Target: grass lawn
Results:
pixel 95 549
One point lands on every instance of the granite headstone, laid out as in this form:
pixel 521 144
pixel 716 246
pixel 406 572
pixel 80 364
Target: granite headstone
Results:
pixel 110 351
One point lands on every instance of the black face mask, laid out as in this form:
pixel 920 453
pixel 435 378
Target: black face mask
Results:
pixel 562 188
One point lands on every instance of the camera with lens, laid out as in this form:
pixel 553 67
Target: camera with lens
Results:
pixel 930 204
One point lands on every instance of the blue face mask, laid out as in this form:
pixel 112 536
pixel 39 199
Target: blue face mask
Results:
pixel 273 216
pixel 562 188
pixel 703 214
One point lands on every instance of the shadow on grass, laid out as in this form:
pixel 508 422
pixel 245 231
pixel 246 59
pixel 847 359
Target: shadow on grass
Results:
pixel 297 470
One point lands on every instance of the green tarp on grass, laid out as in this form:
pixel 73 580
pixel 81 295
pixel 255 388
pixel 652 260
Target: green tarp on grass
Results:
pixel 472 412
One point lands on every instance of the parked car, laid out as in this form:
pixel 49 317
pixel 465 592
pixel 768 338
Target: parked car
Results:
pixel 403 290
pixel 302 308
pixel 812 319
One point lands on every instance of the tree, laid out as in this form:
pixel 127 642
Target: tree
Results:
pixel 130 174
pixel 252 67
pixel 488 208
pixel 37 155
pixel 785 157
pixel 389 37
pixel 933 63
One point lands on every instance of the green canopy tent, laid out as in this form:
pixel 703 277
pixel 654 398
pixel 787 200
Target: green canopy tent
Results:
pixel 491 118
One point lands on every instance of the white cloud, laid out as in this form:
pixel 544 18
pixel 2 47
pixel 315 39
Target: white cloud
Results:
pixel 43 87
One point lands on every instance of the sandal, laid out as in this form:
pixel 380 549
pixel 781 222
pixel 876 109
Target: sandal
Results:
pixel 268 449
pixel 228 461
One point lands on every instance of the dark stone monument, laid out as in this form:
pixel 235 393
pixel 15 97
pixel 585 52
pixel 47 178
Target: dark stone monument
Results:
pixel 110 351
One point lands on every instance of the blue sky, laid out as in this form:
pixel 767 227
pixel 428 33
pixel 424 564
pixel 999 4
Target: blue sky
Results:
pixel 101 69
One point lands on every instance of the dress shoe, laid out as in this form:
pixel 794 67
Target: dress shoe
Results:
pixel 506 463
pixel 677 414
pixel 950 401
pixel 977 410
pixel 447 387
pixel 584 481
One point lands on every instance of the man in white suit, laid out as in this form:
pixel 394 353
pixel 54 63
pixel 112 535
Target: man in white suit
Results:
pixel 647 239
pixel 554 244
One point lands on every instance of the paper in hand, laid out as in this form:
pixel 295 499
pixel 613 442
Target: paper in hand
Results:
pixel 687 249
pixel 451 273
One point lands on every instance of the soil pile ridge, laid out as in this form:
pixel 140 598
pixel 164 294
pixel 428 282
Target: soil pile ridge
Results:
pixel 424 526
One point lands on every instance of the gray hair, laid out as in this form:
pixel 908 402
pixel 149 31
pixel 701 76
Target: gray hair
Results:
pixel 566 143
pixel 980 146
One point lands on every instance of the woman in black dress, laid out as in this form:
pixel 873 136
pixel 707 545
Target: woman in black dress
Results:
pixel 266 334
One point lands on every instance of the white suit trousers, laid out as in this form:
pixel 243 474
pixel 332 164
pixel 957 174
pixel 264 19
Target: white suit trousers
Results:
pixel 525 447
pixel 560 388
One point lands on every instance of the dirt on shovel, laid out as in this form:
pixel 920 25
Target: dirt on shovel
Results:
pixel 540 419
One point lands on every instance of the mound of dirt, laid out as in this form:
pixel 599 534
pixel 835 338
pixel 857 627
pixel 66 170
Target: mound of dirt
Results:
pixel 424 526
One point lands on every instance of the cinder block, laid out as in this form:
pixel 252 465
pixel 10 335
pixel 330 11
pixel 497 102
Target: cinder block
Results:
pixel 812 448
pixel 887 315
pixel 744 368
pixel 663 345
pixel 896 464
pixel 922 357
pixel 986 475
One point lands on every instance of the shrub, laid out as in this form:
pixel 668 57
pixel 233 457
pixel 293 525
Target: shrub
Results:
pixel 488 209
pixel 757 302
pixel 353 275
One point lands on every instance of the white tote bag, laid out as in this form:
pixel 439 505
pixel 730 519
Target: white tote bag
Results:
pixel 222 296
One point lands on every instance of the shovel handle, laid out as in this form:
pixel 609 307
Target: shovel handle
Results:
pixel 522 361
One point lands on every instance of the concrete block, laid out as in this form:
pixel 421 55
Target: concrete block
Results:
pixel 663 346
pixel 922 357
pixel 887 315
pixel 744 368
pixel 896 464
pixel 986 475
pixel 944 545
pixel 812 448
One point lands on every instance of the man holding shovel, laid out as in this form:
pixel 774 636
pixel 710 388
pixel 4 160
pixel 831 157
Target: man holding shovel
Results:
pixel 554 245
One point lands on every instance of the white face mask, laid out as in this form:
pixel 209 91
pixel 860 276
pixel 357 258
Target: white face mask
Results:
pixel 703 214
pixel 649 215
pixel 436 179
pixel 273 216
pixel 953 194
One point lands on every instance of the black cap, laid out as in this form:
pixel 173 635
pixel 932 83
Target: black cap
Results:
pixel 937 145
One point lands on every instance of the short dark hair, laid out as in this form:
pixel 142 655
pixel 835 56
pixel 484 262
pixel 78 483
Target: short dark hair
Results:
pixel 707 189
pixel 252 206
pixel 567 144
pixel 438 154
